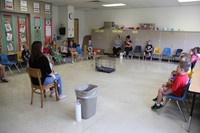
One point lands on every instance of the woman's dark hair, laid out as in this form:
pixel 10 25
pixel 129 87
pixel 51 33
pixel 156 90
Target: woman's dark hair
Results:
pixel 36 50
pixel 128 37
pixel 198 50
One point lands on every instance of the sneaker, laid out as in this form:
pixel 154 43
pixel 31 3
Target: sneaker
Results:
pixel 4 80
pixel 52 94
pixel 156 107
pixel 155 99
pixel 62 97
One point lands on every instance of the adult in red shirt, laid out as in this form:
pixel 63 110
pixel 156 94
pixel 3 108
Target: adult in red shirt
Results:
pixel 177 86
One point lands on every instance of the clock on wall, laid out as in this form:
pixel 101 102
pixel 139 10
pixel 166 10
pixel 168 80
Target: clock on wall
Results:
pixel 70 16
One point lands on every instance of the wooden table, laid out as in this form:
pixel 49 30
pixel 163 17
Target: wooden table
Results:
pixel 194 88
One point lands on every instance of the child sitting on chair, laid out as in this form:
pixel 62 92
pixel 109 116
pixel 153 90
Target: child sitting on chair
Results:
pixel 72 51
pixel 90 50
pixel 25 54
pixel 177 86
pixel 185 58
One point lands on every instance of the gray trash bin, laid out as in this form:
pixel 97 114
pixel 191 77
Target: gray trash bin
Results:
pixel 87 95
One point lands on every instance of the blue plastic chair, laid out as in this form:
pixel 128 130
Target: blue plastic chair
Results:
pixel 137 51
pixel 177 54
pixel 80 52
pixel 170 97
pixel 7 63
pixel 166 53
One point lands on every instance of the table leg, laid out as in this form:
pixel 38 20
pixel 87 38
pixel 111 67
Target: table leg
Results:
pixel 191 112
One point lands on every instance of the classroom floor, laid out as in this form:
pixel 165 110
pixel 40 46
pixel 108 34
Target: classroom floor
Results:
pixel 124 101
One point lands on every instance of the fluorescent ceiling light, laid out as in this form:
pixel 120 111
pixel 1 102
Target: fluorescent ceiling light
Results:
pixel 188 0
pixel 116 4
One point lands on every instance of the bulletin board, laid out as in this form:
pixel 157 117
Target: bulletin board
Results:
pixel 8 33
pixel 48 29
pixel 22 31
pixel 37 28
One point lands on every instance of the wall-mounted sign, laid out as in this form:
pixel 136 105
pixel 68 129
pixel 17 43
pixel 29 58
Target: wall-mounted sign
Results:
pixel 23 5
pixel 36 7
pixel 47 30
pixel 47 9
pixel 98 30
pixel 134 31
pixel 9 4
pixel 117 31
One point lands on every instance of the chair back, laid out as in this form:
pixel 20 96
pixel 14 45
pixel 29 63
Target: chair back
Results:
pixel 178 52
pixel 156 51
pixel 4 59
pixel 184 94
pixel 138 49
pixel 167 52
pixel 34 73
pixel 78 49
pixel 19 56
pixel 186 89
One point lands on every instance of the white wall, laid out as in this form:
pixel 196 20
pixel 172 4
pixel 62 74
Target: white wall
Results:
pixel 58 19
pixel 80 15
pixel 185 18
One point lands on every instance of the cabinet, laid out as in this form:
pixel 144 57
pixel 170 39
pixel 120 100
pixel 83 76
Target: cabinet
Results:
pixel 103 39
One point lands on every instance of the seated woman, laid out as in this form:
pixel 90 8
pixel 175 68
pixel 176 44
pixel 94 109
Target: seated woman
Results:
pixel 128 45
pixel 117 46
pixel 25 54
pixel 148 50
pixel 2 73
pixel 39 60
pixel 72 51
pixel 57 58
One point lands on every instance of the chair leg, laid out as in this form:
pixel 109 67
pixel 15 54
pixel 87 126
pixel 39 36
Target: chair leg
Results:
pixel 186 106
pixel 42 98
pixel 181 110
pixel 32 97
pixel 167 101
pixel 132 56
pixel 44 92
pixel 17 68
pixel 10 70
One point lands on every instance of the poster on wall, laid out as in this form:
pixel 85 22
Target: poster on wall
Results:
pixel 10 47
pixel 9 4
pixel 23 5
pixel 47 9
pixel 36 7
pixel 37 28
pixel 8 27
pixel 22 31
pixel 8 36
pixel 47 30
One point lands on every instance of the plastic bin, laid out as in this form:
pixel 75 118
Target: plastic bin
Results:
pixel 87 95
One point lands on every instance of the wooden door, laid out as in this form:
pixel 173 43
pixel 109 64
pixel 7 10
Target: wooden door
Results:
pixel 76 29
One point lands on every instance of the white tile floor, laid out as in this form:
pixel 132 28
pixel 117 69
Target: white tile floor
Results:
pixel 123 102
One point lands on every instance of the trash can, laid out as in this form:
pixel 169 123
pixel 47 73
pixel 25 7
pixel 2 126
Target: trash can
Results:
pixel 87 96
